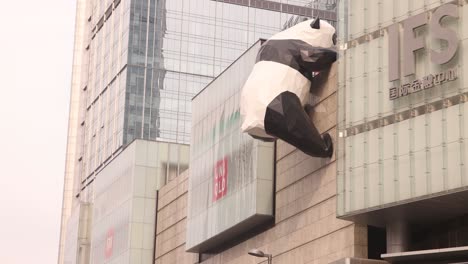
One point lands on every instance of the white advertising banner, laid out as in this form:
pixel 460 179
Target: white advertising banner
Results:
pixel 231 174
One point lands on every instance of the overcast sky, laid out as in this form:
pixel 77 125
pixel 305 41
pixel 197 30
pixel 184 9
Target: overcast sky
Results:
pixel 35 65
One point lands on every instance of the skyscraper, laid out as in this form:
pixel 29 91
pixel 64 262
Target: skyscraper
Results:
pixel 137 65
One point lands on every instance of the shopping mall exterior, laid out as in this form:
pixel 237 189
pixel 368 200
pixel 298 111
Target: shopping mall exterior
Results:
pixel 393 192
pixel 395 189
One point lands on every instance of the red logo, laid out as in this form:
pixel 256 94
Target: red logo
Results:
pixel 220 179
pixel 109 243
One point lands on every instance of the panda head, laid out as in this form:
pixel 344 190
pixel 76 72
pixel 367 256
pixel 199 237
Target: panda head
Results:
pixel 315 32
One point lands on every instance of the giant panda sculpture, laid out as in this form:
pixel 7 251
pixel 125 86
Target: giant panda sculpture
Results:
pixel 274 95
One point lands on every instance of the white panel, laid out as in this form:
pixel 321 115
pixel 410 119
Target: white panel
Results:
pixel 403 136
pixel 388 140
pixel 417 6
pixel 404 170
pixel 358 187
pixel 453 165
pixel 374 186
pixel 139 181
pixel 153 182
pixel 436 173
pixel 357 104
pixel 389 180
pixel 141 157
pixel 464 168
pixel 135 256
pixel 437 176
pixel 463 32
pixel 373 145
pixel 226 186
pixel 387 105
pixel 464 61
pixel 348 190
pixel 357 180
pixel 147 256
pixel 349 148
pixel 420 176
pixel 373 95
pixel 138 209
pixel 371 15
pixel 401 9
pixel 465 119
pixel 136 237
pixel 404 180
pixel 453 147
pixel 149 210
pixel 358 150
pixel 373 52
pixel 420 172
pixel 356 21
pixel 148 236
pixel 419 126
pixel 387 13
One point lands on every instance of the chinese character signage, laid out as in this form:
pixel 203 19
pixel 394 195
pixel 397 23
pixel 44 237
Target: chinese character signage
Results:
pixel 426 82
pixel 220 179
pixel 109 243
pixel 402 103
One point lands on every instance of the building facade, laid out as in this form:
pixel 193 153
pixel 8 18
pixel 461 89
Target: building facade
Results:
pixel 395 190
pixel 137 64
pixel 402 126
pixel 304 227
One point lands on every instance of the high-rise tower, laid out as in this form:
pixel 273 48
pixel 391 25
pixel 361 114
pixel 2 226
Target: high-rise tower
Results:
pixel 137 65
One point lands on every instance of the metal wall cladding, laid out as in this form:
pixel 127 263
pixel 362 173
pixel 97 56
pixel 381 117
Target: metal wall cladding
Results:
pixel 125 201
pixel 231 174
pixel 78 235
pixel 394 150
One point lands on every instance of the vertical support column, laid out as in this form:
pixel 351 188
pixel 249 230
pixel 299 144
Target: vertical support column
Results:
pixel 397 237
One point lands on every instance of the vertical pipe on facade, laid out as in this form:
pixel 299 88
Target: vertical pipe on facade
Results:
pixel 462 118
pixel 180 70
pixel 444 142
pixel 155 226
pixel 395 129
pixel 145 75
pixel 381 103
pixel 275 145
pixel 341 90
pixel 366 109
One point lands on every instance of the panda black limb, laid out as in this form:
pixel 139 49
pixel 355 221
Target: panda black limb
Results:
pixel 274 97
pixel 286 118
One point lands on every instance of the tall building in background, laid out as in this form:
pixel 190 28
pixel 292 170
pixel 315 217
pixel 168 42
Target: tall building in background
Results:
pixel 137 65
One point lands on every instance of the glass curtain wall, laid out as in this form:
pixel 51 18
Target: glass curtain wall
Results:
pixel 142 61
pixel 395 150
pixel 146 59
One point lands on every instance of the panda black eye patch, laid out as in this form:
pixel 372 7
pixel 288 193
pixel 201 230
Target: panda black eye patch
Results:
pixel 298 55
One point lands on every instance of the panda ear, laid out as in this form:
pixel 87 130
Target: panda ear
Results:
pixel 316 23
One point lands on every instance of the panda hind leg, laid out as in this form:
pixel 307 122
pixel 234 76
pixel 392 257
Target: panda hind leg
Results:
pixel 286 119
pixel 309 109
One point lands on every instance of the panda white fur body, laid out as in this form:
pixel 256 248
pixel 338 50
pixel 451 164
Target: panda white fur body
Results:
pixel 269 78
pixel 275 79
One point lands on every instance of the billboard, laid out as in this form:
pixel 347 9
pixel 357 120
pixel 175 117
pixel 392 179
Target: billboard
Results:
pixel 402 114
pixel 231 174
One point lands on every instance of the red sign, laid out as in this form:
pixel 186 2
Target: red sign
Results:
pixel 220 179
pixel 109 243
